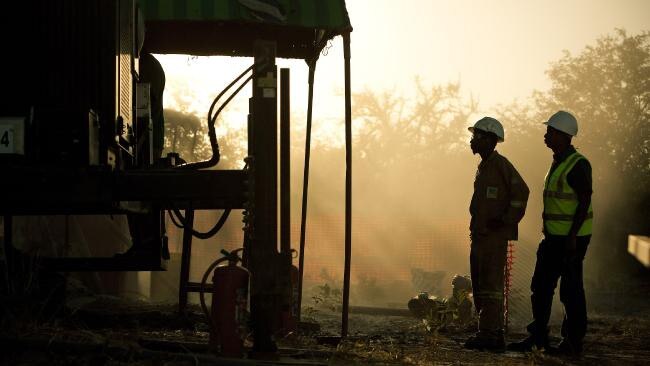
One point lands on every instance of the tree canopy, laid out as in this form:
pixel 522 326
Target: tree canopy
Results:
pixel 417 151
pixel 607 86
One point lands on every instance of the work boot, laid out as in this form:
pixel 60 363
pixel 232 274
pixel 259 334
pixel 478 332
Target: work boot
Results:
pixel 529 344
pixel 483 343
pixel 567 348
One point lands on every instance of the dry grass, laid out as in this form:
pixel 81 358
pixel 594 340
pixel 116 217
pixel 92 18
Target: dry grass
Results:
pixel 112 333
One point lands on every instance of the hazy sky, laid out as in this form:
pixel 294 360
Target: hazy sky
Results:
pixel 497 49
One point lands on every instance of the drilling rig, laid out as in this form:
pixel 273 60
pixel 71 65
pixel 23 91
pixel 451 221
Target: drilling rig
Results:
pixel 76 128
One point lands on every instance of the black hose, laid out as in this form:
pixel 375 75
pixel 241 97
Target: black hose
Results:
pixel 175 214
pixel 173 218
pixel 214 102
pixel 214 118
pixel 214 144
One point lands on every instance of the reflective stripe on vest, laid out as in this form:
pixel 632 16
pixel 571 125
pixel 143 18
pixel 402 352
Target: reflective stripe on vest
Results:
pixel 561 217
pixel 561 201
pixel 518 204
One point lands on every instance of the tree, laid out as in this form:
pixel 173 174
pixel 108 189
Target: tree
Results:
pixel 410 153
pixel 607 86
pixel 186 134
pixel 394 131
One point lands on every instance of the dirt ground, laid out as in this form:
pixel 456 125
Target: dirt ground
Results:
pixel 111 331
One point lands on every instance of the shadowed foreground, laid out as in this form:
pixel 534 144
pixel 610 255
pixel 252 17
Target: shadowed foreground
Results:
pixel 110 331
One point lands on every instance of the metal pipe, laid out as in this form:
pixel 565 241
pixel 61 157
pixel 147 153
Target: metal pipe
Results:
pixel 263 261
pixel 348 187
pixel 305 184
pixel 185 260
pixel 285 157
pixel 285 192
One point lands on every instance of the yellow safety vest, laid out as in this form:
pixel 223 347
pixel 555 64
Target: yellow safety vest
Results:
pixel 561 201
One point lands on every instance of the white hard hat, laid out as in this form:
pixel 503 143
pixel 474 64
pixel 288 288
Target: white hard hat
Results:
pixel 565 122
pixel 489 124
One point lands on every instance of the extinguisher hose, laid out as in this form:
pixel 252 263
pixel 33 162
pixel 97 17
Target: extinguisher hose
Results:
pixel 228 256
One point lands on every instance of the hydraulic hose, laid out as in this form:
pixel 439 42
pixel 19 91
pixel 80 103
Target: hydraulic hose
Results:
pixel 216 155
pixel 179 221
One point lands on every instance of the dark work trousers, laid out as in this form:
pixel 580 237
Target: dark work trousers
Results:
pixel 487 263
pixel 146 231
pixel 551 265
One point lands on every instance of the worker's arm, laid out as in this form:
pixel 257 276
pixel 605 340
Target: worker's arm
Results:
pixel 579 178
pixel 518 197
pixel 584 200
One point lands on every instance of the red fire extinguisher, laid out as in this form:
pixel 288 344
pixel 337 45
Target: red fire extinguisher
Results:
pixel 229 313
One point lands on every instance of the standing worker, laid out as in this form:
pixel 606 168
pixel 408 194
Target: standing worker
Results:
pixel 152 72
pixel 148 229
pixel 567 231
pixel 498 204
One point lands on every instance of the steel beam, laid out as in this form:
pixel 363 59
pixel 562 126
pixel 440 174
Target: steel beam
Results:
pixel 263 258
pixel 58 191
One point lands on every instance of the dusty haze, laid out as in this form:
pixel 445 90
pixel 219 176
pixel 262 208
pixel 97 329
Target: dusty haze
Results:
pixel 421 74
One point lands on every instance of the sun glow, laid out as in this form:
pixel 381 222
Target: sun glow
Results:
pixel 193 82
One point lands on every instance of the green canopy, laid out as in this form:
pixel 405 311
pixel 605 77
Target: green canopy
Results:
pixel 228 27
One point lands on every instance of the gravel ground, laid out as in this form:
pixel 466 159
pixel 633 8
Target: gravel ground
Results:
pixel 110 331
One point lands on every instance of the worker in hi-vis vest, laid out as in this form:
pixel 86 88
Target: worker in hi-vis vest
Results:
pixel 567 221
pixel 498 204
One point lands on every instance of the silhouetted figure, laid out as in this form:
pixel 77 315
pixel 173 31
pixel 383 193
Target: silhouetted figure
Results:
pixel 567 231
pixel 498 204
pixel 152 72
pixel 148 230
